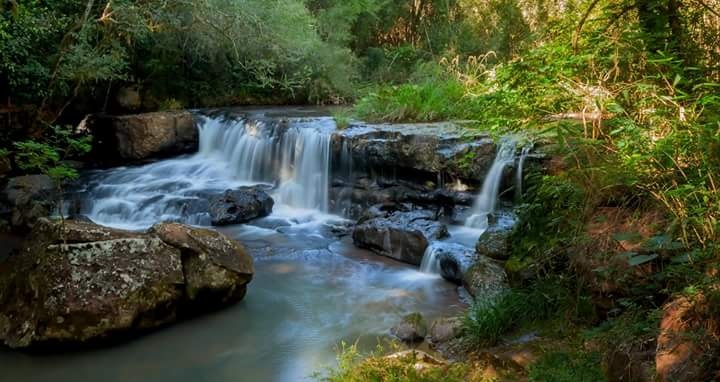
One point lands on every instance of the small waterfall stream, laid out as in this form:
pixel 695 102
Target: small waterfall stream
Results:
pixel 291 153
pixel 487 200
pixel 519 173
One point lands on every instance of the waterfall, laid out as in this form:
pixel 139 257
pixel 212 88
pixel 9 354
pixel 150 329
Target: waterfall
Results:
pixel 519 173
pixel 295 154
pixel 292 153
pixel 430 263
pixel 486 201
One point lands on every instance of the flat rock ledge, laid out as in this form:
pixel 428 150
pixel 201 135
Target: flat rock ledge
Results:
pixel 78 282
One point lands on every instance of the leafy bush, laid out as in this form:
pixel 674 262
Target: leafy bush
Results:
pixel 47 156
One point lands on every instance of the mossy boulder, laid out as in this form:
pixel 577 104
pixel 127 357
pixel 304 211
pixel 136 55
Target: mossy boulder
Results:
pixel 76 282
pixel 494 243
pixel 485 279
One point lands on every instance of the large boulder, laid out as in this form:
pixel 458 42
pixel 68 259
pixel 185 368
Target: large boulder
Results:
pixel 75 282
pixel 217 268
pixel 28 198
pixel 240 206
pixel 688 346
pixel 401 235
pixel 438 148
pixel 143 136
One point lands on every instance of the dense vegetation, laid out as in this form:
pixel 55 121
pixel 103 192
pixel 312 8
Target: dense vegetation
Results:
pixel 624 95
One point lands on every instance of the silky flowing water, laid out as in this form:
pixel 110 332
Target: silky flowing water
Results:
pixel 312 288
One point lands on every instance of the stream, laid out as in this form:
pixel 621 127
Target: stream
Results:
pixel 312 288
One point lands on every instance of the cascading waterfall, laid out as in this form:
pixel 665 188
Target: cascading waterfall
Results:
pixel 292 153
pixel 519 173
pixel 296 155
pixel 430 263
pixel 486 201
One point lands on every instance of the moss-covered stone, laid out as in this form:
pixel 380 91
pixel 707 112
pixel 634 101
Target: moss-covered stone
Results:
pixel 77 281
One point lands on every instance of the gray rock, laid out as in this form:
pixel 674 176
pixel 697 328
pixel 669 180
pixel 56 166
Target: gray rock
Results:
pixel 400 235
pixel 444 330
pixel 485 279
pixel 494 243
pixel 75 282
pixel 446 148
pixel 455 260
pixel 143 136
pixel 412 328
pixel 240 206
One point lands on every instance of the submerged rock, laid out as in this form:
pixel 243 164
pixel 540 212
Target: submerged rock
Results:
pixel 401 235
pixel 240 206
pixel 143 136
pixel 75 282
pixel 412 328
pixel 28 198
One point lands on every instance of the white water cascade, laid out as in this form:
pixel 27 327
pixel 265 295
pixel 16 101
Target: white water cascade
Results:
pixel 430 261
pixel 291 153
pixel 486 201
pixel 295 154
pixel 519 173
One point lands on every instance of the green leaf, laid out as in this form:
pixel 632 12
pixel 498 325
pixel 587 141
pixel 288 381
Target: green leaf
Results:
pixel 641 259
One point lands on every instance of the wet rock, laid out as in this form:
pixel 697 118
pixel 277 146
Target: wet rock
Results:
pixel 28 198
pixel 240 206
pixel 455 260
pixel 482 277
pixel 688 346
pixel 494 243
pixel 400 235
pixel 75 282
pixel 437 148
pixel 412 328
pixel 445 329
pixel 143 136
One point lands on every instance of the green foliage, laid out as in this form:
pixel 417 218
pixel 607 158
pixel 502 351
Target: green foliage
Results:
pixel 487 322
pixel 567 367
pixel 47 157
pixel 550 220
